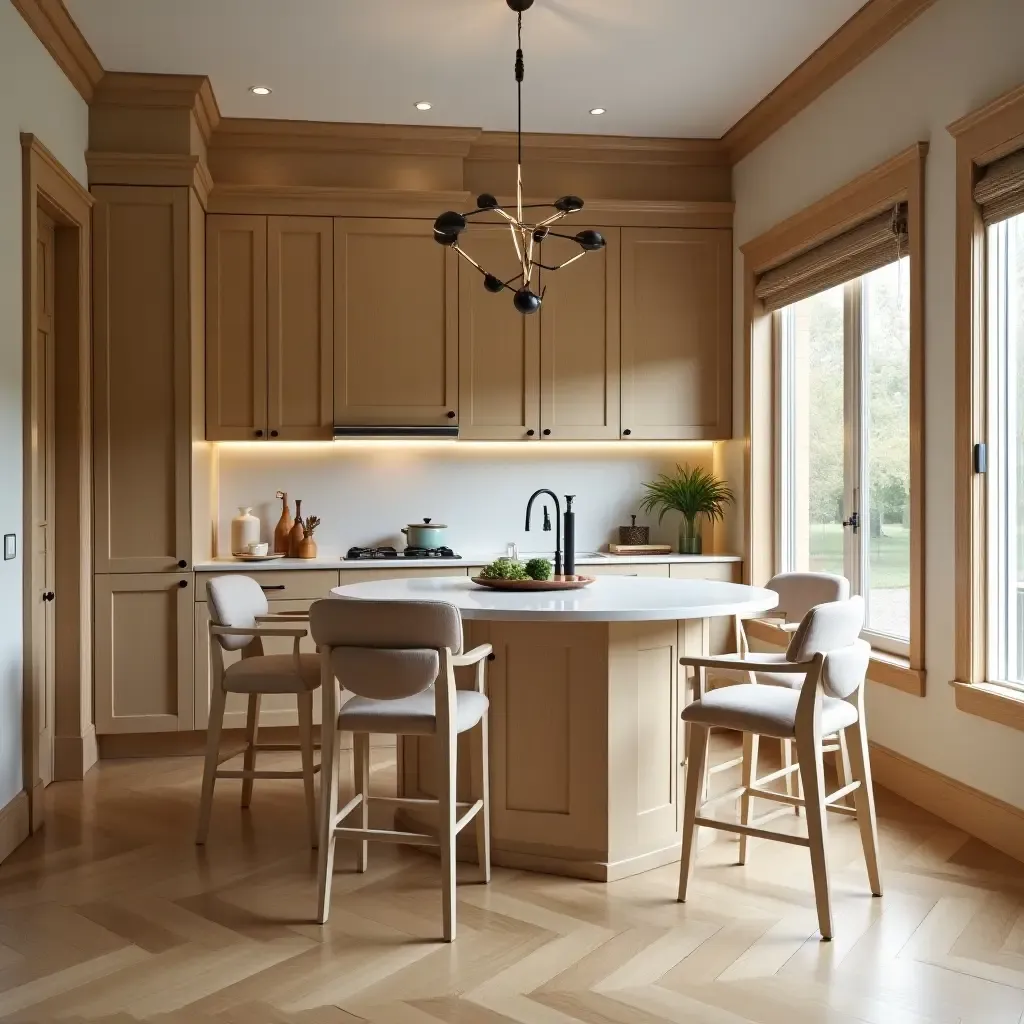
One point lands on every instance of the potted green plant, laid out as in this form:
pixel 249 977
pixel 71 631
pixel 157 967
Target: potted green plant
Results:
pixel 693 493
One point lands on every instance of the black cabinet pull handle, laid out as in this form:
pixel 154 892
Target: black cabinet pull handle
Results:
pixel 273 433
pixel 182 564
pixel 627 432
pixel 530 433
pixel 546 431
pixel 182 583
pixel 490 657
pixel 451 414
pixel 276 586
pixel 49 595
pixel 258 433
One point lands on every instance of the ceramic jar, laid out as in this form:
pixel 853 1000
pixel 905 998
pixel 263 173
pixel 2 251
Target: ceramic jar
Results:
pixel 245 530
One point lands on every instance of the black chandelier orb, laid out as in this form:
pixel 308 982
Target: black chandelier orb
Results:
pixel 527 238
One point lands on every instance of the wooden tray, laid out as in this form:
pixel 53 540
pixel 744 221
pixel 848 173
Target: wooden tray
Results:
pixel 257 558
pixel 640 549
pixel 557 583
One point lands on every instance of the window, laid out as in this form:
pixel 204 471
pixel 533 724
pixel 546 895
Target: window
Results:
pixel 1005 452
pixel 843 435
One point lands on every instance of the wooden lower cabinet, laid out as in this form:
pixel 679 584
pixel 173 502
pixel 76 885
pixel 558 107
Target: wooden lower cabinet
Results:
pixel 143 652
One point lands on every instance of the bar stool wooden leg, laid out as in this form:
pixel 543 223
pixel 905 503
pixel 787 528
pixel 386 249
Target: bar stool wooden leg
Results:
pixel 696 749
pixel 328 809
pixel 446 833
pixel 864 801
pixel 213 730
pixel 252 722
pixel 305 703
pixel 792 784
pixel 751 743
pixel 482 791
pixel 361 763
pixel 812 771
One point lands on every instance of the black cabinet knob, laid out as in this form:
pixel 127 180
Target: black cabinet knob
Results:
pixel 182 564
pixel 273 433
pixel 530 433
pixel 182 583
pixel 258 433
pixel 49 595
pixel 546 431
pixel 451 414
pixel 627 432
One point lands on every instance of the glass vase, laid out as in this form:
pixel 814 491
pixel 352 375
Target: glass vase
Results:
pixel 689 537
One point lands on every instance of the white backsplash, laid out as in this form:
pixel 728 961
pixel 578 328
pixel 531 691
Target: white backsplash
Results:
pixel 364 493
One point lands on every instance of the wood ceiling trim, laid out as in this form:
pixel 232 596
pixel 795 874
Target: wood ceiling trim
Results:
pixel 189 92
pixel 56 30
pixel 853 42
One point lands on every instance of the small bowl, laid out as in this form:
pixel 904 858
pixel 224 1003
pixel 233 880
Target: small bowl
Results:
pixel 259 548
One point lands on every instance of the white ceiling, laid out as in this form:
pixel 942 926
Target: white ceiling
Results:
pixel 677 68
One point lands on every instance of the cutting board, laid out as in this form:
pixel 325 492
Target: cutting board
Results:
pixel 640 549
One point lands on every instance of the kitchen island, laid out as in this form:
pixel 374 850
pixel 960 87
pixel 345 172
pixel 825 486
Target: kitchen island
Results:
pixel 585 734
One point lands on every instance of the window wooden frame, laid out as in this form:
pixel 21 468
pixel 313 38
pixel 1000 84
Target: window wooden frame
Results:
pixel 900 179
pixel 981 137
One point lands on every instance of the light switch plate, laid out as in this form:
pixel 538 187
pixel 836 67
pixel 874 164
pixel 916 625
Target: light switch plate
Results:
pixel 10 546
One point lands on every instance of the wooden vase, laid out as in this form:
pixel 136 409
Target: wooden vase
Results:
pixel 284 526
pixel 307 548
pixel 296 533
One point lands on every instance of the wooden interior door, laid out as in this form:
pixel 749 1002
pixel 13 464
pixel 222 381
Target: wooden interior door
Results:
pixel 143 652
pixel 300 328
pixel 579 344
pixel 676 333
pixel 499 347
pixel 395 324
pixel 236 327
pixel 142 380
pixel 41 441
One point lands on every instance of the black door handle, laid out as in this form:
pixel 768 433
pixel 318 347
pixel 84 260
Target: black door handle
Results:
pixel 853 522
pixel 49 595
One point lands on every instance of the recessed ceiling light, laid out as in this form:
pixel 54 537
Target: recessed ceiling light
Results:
pixel 423 105
pixel 597 110
pixel 260 90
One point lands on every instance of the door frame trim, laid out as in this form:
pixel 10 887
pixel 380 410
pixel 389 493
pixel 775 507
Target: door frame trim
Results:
pixel 49 187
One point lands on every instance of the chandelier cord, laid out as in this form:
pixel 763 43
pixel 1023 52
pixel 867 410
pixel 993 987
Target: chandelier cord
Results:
pixel 520 68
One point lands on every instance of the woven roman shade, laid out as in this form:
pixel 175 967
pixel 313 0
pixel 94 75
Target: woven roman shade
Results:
pixel 871 244
pixel 1000 192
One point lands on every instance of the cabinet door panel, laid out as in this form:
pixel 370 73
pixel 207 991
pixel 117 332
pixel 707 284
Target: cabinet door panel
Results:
pixel 395 324
pixel 579 344
pixel 499 348
pixel 236 327
pixel 141 378
pixel 676 333
pixel 143 653
pixel 300 328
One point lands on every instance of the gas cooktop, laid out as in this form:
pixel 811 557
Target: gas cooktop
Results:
pixel 370 554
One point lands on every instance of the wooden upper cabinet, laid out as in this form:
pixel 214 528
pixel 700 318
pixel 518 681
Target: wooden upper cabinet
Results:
pixel 676 333
pixel 395 324
pixel 236 327
pixel 144 653
pixel 579 343
pixel 300 328
pixel 499 348
pixel 141 378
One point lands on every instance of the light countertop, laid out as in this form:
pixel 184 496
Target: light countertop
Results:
pixel 608 599
pixel 338 562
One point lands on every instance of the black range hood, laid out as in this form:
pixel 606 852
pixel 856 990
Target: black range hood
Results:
pixel 370 431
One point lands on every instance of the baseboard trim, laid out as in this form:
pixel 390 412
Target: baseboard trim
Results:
pixel 73 756
pixel 985 817
pixel 14 825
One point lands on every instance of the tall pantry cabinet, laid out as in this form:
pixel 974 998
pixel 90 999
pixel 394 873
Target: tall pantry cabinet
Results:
pixel 148 383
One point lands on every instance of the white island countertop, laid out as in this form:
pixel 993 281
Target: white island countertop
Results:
pixel 338 562
pixel 608 599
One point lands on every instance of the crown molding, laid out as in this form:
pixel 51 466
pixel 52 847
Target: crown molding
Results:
pixel 852 43
pixel 150 169
pixel 56 30
pixel 167 92
pixel 602 149
pixel 333 201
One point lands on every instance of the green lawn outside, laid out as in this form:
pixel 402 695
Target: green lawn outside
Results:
pixel 889 558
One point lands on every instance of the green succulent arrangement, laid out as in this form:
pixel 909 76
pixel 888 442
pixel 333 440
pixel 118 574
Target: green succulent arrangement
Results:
pixel 510 569
pixel 693 493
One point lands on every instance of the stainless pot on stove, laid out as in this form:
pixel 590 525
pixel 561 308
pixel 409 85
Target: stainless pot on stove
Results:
pixel 425 535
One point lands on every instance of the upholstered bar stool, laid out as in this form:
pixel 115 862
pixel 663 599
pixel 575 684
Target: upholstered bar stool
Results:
pixel 239 620
pixel 399 658
pixel 830 659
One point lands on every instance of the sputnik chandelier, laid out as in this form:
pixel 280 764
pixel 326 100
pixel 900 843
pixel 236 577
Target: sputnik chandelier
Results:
pixel 527 238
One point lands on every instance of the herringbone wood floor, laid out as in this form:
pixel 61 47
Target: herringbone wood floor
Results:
pixel 111 914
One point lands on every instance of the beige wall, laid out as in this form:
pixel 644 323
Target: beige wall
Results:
pixel 34 97
pixel 958 55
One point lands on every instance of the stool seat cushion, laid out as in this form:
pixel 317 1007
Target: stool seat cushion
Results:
pixel 273 673
pixel 410 716
pixel 791 680
pixel 765 710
